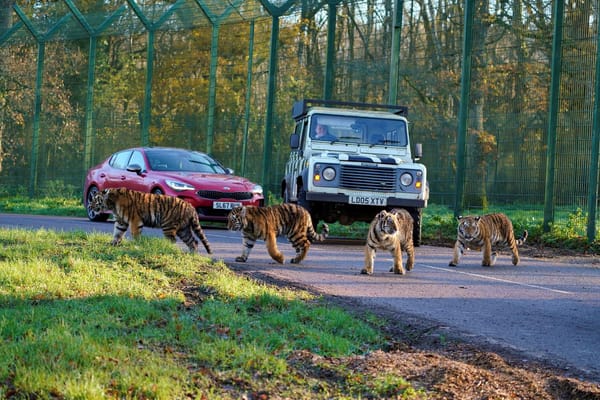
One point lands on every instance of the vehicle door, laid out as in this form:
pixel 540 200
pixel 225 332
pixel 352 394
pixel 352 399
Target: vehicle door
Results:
pixel 116 174
pixel 137 180
pixel 295 162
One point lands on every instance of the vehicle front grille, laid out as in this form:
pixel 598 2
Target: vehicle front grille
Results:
pixel 214 195
pixel 358 177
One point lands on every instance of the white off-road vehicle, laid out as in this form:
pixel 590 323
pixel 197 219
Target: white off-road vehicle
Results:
pixel 348 161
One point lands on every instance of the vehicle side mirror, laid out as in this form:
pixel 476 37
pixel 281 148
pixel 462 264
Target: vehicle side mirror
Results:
pixel 294 141
pixel 135 168
pixel 229 171
pixel 418 151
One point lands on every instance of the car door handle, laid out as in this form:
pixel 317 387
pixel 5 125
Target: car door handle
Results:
pixel 123 177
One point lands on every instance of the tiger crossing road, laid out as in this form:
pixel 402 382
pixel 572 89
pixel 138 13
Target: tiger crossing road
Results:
pixel 546 309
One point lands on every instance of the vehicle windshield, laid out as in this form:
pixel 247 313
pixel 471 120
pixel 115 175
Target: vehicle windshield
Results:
pixel 367 131
pixel 180 160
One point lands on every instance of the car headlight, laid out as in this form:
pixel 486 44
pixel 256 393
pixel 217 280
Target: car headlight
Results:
pixel 257 189
pixel 406 179
pixel 179 186
pixel 328 174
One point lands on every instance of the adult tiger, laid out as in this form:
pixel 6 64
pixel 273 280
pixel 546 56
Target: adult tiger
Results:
pixel 488 232
pixel 266 223
pixel 391 231
pixel 134 210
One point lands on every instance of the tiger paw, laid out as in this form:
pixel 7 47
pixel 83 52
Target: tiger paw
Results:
pixel 364 271
pixel 452 264
pixel 398 271
pixel 241 259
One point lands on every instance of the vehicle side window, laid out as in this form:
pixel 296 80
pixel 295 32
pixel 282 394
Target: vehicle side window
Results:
pixel 120 160
pixel 137 158
pixel 302 131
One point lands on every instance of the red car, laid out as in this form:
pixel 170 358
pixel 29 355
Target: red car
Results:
pixel 191 175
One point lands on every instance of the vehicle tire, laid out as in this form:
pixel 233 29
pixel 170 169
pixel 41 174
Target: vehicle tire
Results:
pixel 286 196
pixel 302 198
pixel 91 214
pixel 417 214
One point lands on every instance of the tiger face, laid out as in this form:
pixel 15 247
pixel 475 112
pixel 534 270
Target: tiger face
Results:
pixel 97 203
pixel 468 227
pixel 236 220
pixel 388 223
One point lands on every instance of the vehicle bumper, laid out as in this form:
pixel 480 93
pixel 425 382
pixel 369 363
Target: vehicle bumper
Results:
pixel 345 199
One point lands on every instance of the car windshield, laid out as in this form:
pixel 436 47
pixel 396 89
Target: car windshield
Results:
pixel 180 160
pixel 368 131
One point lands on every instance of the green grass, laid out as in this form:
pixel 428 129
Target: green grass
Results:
pixel 68 207
pixel 82 319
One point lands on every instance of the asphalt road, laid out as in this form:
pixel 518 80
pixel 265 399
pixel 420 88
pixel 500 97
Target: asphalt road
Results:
pixel 546 309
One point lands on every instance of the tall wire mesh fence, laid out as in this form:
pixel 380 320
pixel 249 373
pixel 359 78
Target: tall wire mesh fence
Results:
pixel 80 80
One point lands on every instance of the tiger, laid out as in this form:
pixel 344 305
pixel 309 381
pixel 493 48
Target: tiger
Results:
pixel 266 223
pixel 134 210
pixel 486 231
pixel 392 231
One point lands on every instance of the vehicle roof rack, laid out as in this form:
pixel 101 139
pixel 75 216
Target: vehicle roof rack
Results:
pixel 301 107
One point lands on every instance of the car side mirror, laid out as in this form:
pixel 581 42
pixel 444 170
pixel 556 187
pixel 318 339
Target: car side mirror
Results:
pixel 294 141
pixel 135 168
pixel 418 151
pixel 229 171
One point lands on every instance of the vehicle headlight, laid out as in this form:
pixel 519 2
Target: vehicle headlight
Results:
pixel 406 179
pixel 179 186
pixel 328 174
pixel 257 189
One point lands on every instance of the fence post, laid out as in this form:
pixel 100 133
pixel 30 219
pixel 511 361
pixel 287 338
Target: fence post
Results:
pixel 248 98
pixel 395 53
pixel 465 85
pixel 553 114
pixel 593 185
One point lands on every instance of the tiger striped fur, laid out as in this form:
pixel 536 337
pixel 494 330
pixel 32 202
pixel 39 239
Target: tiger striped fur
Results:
pixel 266 223
pixel 135 210
pixel 392 231
pixel 488 232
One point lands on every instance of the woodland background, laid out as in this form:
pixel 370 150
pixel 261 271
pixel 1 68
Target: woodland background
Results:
pixel 58 116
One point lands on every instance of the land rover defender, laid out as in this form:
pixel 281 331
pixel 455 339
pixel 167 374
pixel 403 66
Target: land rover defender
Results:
pixel 359 166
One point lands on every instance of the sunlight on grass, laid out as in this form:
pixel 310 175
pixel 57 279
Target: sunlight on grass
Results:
pixel 80 318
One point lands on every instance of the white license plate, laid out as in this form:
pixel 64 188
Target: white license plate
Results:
pixel 368 200
pixel 225 205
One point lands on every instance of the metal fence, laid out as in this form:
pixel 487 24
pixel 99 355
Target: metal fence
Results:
pixel 503 95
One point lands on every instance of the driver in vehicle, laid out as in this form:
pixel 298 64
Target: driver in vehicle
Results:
pixel 322 133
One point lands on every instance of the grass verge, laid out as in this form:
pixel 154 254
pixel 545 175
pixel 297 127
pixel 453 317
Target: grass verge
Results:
pixel 82 319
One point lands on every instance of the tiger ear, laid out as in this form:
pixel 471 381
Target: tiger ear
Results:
pixel 477 218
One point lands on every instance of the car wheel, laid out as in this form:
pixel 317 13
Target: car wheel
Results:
pixel 91 214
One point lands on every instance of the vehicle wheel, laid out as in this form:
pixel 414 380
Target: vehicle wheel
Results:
pixel 286 196
pixel 417 214
pixel 91 214
pixel 302 198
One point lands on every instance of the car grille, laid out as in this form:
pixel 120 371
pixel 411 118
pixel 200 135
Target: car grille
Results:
pixel 358 177
pixel 214 195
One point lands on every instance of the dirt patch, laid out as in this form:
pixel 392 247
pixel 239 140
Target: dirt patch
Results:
pixel 446 365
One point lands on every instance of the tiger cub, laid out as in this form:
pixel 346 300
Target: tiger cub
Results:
pixel 487 232
pixel 266 223
pixel 392 231
pixel 135 210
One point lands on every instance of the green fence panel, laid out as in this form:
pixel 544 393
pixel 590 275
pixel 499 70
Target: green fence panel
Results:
pixel 222 76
